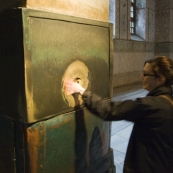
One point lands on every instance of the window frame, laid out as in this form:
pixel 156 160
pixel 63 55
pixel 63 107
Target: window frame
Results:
pixel 132 19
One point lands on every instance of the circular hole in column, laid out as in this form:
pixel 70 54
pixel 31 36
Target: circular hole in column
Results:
pixel 78 72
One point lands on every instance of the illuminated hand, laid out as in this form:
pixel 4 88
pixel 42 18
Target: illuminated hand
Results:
pixel 72 87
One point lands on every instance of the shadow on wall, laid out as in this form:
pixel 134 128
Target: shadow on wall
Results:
pixel 83 159
pixel 80 142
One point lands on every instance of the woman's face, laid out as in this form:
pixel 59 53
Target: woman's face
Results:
pixel 150 81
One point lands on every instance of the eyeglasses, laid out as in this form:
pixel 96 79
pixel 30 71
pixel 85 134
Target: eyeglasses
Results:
pixel 145 74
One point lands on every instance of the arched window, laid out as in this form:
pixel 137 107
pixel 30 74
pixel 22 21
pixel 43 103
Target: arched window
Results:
pixel 138 20
pixel 119 10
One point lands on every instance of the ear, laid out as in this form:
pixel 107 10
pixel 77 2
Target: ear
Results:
pixel 161 80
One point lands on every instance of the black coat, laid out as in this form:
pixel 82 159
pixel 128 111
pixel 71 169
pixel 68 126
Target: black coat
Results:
pixel 150 148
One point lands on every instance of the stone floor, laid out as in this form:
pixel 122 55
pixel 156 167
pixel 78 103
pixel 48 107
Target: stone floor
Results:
pixel 121 130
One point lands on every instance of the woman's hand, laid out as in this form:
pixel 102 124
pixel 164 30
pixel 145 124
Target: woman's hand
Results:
pixel 72 87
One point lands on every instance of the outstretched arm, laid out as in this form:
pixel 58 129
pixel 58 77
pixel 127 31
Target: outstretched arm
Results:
pixel 105 109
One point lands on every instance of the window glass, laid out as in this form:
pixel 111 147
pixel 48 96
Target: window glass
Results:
pixel 132 17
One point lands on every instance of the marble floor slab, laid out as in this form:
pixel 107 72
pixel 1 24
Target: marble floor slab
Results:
pixel 121 130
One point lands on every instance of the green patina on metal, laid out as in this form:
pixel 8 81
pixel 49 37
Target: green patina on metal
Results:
pixel 70 142
pixel 53 137
pixel 58 38
pixel 53 43
pixel 25 20
pixel 48 44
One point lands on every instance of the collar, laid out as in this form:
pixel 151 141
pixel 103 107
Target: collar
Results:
pixel 163 90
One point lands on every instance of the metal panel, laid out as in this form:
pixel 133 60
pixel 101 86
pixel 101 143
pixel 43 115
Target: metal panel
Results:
pixel 51 43
pixel 72 142
pixel 43 132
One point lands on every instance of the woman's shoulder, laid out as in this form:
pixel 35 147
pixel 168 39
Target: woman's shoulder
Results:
pixel 158 106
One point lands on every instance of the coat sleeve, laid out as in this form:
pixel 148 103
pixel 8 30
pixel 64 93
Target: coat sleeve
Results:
pixel 130 110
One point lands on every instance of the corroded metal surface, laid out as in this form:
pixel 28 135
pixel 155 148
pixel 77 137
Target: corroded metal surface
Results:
pixel 34 143
pixel 35 66
pixel 69 143
pixel 47 135
pixel 78 72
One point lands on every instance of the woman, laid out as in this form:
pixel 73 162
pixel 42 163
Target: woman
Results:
pixel 150 148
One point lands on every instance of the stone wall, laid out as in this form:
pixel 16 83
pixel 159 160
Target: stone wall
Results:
pixel 96 10
pixel 155 17
pixel 130 55
pixel 129 58
pixel 164 28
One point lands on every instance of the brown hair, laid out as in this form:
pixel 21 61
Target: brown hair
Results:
pixel 162 66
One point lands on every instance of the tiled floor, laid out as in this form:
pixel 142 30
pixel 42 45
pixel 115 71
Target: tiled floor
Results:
pixel 121 130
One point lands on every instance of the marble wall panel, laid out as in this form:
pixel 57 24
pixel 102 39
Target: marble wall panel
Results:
pixel 171 47
pixel 123 63
pixel 150 47
pixel 129 62
pixel 149 55
pixel 123 46
pixel 162 26
pixel 162 47
pixel 133 46
pixel 139 46
pixel 147 25
pixel 123 19
pixel 126 78
pixel 139 59
pixel 171 56
pixel 142 57
pixel 150 4
pixel 171 25
pixel 171 5
pixel 162 4
pixel 117 11
pixel 96 10
pixel 151 26
pixel 164 54
pixel 141 23
pixel 129 58
pixel 136 63
pixel 116 63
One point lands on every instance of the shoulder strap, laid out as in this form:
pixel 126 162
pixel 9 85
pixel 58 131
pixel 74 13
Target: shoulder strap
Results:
pixel 167 98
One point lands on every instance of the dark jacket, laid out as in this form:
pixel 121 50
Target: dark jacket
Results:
pixel 150 148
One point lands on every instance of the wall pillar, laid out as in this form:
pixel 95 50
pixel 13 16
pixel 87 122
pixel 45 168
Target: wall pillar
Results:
pixel 164 28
